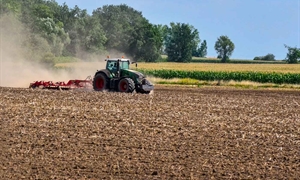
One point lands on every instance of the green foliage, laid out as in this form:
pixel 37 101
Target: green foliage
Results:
pixel 9 6
pixel 55 35
pixel 203 49
pixel 44 33
pixel 200 51
pixel 224 47
pixel 73 32
pixel 268 57
pixel 180 41
pixel 67 31
pixel 129 32
pixel 42 11
pixel 150 48
pixel 277 78
pixel 293 55
pixel 207 60
pixel 163 31
pixel 61 30
pixel 85 32
pixel 118 22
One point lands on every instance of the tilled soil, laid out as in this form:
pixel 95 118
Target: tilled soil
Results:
pixel 175 133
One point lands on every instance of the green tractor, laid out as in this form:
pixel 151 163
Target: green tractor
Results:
pixel 118 77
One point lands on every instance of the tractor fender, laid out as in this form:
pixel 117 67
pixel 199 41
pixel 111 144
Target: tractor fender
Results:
pixel 104 71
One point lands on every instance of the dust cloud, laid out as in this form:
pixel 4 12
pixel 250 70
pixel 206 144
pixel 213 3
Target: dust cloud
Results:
pixel 18 69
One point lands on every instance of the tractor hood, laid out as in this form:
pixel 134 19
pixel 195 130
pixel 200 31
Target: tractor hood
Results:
pixel 138 74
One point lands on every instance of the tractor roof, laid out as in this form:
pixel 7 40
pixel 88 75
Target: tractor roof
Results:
pixel 115 59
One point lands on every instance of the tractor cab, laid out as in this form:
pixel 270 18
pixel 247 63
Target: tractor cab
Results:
pixel 116 65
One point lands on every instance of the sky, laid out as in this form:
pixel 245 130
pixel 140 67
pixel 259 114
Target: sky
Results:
pixel 256 27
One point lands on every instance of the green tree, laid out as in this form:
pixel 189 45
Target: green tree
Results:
pixel 268 57
pixel 180 41
pixel 62 14
pixel 86 33
pixel 202 50
pixel 55 35
pixel 195 37
pixel 43 35
pixel 153 44
pixel 146 43
pixel 224 47
pixel 42 11
pixel 293 55
pixel 127 31
pixel 163 31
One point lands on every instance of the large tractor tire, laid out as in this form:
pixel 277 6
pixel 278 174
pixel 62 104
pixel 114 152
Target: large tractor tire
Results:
pixel 126 85
pixel 100 82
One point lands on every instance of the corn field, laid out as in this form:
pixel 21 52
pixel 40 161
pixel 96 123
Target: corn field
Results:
pixel 260 77
pixel 278 68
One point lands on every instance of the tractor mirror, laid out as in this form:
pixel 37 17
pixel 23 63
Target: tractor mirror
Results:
pixel 134 63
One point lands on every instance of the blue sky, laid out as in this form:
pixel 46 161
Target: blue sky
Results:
pixel 256 27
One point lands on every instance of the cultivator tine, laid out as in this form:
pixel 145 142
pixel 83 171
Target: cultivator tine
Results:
pixel 71 84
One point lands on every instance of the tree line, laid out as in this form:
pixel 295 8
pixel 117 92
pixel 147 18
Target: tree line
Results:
pixel 58 30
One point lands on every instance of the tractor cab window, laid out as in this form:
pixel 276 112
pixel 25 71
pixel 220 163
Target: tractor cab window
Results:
pixel 124 65
pixel 112 65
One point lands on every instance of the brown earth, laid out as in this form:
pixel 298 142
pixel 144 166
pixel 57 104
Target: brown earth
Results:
pixel 175 133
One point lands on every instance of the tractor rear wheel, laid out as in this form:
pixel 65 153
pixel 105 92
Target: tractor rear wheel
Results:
pixel 100 82
pixel 126 85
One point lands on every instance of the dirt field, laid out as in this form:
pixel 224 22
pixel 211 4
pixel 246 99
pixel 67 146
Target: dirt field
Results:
pixel 175 133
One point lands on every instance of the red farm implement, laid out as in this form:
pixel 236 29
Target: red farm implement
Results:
pixel 71 84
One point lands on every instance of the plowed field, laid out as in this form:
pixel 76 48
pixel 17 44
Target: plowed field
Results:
pixel 175 133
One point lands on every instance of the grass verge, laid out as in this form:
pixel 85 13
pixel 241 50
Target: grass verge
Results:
pixel 242 84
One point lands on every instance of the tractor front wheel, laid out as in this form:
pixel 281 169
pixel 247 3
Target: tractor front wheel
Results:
pixel 100 82
pixel 126 85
